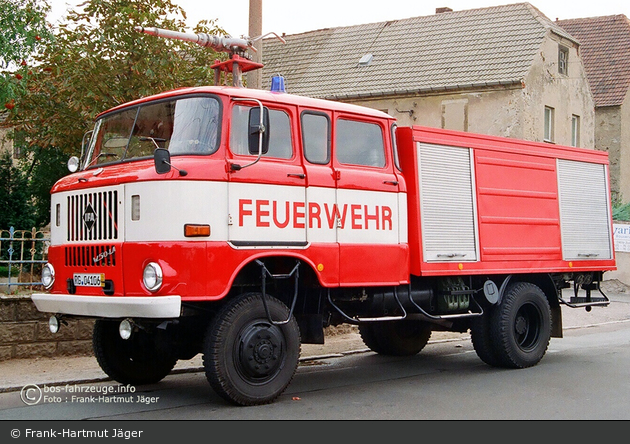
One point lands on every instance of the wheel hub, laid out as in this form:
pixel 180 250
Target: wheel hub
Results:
pixel 521 325
pixel 527 327
pixel 261 350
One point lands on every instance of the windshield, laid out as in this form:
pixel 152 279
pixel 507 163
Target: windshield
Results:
pixel 185 126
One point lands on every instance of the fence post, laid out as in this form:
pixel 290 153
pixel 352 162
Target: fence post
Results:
pixel 20 261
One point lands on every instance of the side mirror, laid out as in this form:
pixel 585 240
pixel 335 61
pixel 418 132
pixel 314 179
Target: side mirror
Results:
pixel 162 160
pixel 258 145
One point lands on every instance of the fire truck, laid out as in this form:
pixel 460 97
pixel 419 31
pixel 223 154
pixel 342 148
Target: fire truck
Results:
pixel 239 223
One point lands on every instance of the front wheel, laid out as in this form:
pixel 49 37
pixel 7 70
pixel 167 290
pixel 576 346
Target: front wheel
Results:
pixel 521 326
pixel 249 360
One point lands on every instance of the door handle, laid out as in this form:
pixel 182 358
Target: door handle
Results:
pixel 390 182
pixel 298 175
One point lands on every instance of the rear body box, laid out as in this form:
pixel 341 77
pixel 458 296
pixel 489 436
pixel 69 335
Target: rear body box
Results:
pixel 490 205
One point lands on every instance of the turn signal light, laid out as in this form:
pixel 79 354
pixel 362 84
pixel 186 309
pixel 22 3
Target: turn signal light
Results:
pixel 193 230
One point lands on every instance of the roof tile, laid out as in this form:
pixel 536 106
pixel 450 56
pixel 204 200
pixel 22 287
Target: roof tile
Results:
pixel 605 50
pixel 475 47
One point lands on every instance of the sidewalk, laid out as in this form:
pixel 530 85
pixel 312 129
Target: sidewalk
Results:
pixel 17 373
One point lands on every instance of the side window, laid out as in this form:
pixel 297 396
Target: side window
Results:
pixel 280 145
pixel 359 143
pixel 316 137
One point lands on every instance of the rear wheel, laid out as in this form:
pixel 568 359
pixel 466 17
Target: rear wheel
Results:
pixel 521 326
pixel 247 359
pixel 144 358
pixel 395 338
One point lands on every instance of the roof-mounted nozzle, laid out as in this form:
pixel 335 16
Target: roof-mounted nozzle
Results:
pixel 239 61
pixel 223 44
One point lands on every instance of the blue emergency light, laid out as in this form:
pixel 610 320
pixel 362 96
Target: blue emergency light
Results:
pixel 277 84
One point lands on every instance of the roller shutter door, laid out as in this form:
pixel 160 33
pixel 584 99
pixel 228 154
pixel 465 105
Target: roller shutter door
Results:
pixel 447 205
pixel 584 210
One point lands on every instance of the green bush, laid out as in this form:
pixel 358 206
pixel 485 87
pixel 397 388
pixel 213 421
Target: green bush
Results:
pixel 621 212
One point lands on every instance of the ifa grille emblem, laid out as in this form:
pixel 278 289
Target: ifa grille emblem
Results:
pixel 89 217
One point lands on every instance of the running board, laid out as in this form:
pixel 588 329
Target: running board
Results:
pixel 586 301
pixel 358 320
pixel 405 315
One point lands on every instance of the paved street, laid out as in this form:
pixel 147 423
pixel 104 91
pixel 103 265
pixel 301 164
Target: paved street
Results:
pixel 583 376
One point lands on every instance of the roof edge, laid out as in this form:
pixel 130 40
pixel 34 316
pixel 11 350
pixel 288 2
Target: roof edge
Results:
pixel 511 84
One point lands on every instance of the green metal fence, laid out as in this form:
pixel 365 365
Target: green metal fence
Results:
pixel 22 254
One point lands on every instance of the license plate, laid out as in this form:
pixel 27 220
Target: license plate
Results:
pixel 89 279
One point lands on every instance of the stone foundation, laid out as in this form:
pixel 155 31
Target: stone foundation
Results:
pixel 24 332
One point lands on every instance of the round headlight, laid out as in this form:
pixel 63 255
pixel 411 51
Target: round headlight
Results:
pixel 73 164
pixel 152 276
pixel 48 276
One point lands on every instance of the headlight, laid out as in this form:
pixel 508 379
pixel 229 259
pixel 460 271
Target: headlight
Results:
pixel 152 276
pixel 73 164
pixel 48 276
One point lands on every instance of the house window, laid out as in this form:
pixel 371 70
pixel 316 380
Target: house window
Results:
pixel 563 60
pixel 549 119
pixel 575 130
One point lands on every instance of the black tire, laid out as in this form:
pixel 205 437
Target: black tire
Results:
pixel 395 338
pixel 521 326
pixel 144 358
pixel 248 360
pixel 481 337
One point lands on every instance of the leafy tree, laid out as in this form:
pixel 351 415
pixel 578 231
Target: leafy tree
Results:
pixel 23 32
pixel 46 166
pixel 97 60
pixel 15 200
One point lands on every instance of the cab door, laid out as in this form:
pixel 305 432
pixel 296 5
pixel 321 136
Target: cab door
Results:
pixel 369 208
pixel 321 193
pixel 266 195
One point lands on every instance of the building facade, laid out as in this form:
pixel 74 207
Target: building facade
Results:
pixel 506 71
pixel 605 50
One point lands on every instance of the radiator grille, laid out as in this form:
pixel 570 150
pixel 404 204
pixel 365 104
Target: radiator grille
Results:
pixel 93 216
pixel 91 256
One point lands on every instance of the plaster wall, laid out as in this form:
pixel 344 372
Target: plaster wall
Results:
pixel 624 154
pixel 568 95
pixel 6 144
pixel 516 111
pixel 608 137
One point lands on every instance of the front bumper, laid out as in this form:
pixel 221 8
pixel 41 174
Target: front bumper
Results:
pixel 109 306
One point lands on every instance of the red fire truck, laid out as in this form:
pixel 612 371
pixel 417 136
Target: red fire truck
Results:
pixel 238 223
